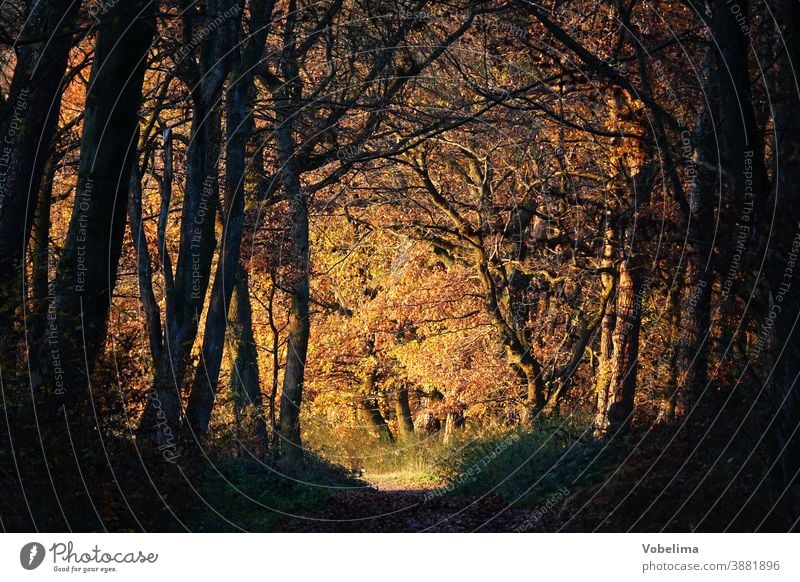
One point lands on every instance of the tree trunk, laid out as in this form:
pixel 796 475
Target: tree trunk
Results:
pixel 519 356
pixel 299 324
pixel 784 275
pixel 245 385
pixel 615 404
pixel 87 271
pixel 27 126
pixel 204 388
pixel 239 126
pixel 185 302
pixel 606 348
pixel 667 406
pixel 369 401
pixel 41 257
pixel 298 327
pixel 405 421
pixel 694 337
pixel 741 154
pixel 428 423
pixel 452 422
pixel 144 268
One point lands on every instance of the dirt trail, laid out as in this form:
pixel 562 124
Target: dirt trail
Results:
pixel 386 507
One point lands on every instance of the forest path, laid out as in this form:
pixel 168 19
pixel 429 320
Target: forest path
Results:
pixel 386 507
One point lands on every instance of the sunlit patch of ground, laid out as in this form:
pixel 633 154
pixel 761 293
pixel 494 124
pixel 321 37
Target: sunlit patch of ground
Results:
pixel 403 481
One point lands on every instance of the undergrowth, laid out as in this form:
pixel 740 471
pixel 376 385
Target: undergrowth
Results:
pixel 246 495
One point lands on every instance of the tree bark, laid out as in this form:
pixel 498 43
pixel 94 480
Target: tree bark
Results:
pixel 784 275
pixel 298 324
pixel 405 421
pixel 27 126
pixel 615 403
pixel 369 401
pixel 144 268
pixel 518 355
pixel 693 336
pixel 453 421
pixel 205 76
pixel 606 347
pixel 239 125
pixel 87 271
pixel 667 408
pixel 245 385
pixel 41 257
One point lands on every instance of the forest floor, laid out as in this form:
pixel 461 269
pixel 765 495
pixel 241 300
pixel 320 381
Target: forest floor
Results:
pixel 410 503
pixel 655 480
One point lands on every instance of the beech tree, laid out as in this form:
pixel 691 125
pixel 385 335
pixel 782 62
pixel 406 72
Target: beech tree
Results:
pixel 372 232
pixel 44 33
pixel 87 269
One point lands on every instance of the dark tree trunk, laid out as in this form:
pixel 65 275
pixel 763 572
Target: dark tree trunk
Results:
pixel 245 385
pixel 41 257
pixel 27 127
pixel 299 324
pixel 370 403
pixel 741 153
pixel 275 383
pixel 204 388
pixel 87 271
pixel 615 404
pixel 518 352
pixel 669 400
pixel 737 129
pixel 205 77
pixel 695 318
pixel 784 275
pixel 239 126
pixel 405 421
pixel 144 268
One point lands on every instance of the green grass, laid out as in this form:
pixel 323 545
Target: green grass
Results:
pixel 527 467
pixel 247 495
pixel 359 449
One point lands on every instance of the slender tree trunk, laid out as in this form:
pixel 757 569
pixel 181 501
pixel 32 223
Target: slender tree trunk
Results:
pixel 370 403
pixel 239 126
pixel 144 268
pixel 275 384
pixel 607 325
pixel 694 338
pixel 299 324
pixel 204 388
pixel 615 406
pixel 669 400
pixel 405 421
pixel 41 257
pixel 205 79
